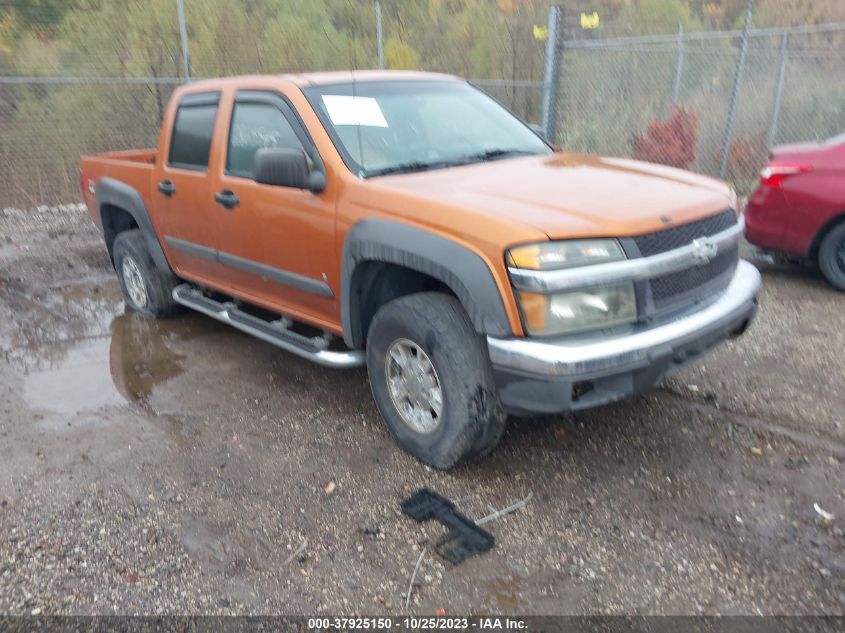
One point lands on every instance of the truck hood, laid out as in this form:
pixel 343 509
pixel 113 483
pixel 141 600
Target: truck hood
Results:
pixel 568 195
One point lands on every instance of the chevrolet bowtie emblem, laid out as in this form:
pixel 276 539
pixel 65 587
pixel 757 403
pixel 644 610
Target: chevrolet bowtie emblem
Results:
pixel 704 250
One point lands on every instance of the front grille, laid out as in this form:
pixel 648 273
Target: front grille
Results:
pixel 678 236
pixel 670 288
pixel 673 289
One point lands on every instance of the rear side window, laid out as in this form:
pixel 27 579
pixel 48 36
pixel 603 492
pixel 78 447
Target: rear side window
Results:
pixel 192 130
pixel 256 126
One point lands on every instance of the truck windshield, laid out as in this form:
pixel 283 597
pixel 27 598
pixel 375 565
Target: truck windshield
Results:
pixel 389 127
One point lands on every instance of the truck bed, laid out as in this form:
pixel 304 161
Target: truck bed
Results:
pixel 132 167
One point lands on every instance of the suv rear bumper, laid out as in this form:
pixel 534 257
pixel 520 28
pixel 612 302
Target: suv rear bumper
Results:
pixel 552 376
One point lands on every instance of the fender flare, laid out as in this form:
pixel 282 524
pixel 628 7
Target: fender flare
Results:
pixel 459 268
pixel 118 194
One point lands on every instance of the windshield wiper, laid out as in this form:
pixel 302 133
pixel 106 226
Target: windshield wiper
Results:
pixel 494 154
pixel 477 157
pixel 406 168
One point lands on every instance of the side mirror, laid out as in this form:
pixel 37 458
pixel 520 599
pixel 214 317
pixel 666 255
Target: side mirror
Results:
pixel 283 167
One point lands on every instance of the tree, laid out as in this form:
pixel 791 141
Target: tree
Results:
pixel 719 14
pixel 400 56
pixel 657 16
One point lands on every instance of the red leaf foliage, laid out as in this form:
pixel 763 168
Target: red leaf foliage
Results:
pixel 671 141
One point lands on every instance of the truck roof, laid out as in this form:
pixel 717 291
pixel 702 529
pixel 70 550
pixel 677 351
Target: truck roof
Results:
pixel 347 76
pixel 318 78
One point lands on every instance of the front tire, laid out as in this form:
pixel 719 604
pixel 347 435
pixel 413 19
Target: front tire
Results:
pixel 832 257
pixel 146 289
pixel 432 381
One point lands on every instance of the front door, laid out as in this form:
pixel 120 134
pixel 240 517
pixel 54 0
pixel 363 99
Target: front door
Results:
pixel 275 243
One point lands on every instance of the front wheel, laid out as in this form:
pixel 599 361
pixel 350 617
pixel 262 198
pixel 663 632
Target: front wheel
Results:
pixel 432 381
pixel 832 257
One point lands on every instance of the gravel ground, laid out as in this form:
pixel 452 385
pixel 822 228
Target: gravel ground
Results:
pixel 182 467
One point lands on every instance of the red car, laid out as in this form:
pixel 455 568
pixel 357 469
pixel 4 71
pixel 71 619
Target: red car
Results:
pixel 799 207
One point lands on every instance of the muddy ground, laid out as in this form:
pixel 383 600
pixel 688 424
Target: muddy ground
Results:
pixel 182 467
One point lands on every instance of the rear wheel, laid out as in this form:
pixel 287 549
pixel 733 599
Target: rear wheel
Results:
pixel 832 257
pixel 432 381
pixel 146 289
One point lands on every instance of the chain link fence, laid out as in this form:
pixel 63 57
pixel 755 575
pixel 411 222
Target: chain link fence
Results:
pixel 90 83
pixel 55 120
pixel 668 98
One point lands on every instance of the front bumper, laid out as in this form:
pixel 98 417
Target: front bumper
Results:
pixel 552 376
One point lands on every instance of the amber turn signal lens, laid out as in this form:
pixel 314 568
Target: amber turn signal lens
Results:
pixel 535 308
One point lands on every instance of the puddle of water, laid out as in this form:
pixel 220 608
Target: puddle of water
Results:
pixel 80 382
pixel 77 352
pixel 102 371
pixel 51 322
pixel 139 357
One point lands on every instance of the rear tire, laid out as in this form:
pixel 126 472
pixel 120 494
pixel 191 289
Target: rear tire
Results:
pixel 832 257
pixel 432 381
pixel 146 289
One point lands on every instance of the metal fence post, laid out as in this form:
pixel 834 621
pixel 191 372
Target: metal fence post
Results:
pixel 551 79
pixel 183 36
pixel 740 66
pixel 679 66
pixel 379 36
pixel 773 122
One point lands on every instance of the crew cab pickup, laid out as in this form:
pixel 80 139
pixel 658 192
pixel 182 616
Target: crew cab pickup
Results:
pixel 410 223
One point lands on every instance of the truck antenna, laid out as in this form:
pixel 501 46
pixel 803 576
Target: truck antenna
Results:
pixel 358 124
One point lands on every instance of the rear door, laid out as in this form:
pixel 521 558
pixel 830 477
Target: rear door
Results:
pixel 182 191
pixel 276 243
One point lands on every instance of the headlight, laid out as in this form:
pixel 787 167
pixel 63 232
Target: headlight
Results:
pixel 569 312
pixel 588 309
pixel 557 255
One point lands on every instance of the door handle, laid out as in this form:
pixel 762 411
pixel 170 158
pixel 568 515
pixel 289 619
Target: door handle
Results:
pixel 167 188
pixel 227 198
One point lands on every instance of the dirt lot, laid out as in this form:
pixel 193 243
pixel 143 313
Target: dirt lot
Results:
pixel 179 467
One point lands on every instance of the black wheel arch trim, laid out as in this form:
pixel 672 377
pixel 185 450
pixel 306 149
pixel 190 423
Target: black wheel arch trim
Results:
pixel 459 268
pixel 111 192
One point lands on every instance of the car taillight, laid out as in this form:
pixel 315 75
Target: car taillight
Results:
pixel 774 174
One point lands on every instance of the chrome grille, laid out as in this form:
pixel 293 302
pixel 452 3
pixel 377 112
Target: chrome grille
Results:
pixel 678 236
pixel 670 290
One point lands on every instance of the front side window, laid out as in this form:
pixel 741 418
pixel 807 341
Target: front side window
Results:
pixel 256 126
pixel 383 127
pixel 192 131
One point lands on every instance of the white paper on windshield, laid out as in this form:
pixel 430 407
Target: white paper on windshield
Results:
pixel 346 110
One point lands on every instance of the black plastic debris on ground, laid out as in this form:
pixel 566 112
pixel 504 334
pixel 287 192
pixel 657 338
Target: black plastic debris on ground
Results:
pixel 464 538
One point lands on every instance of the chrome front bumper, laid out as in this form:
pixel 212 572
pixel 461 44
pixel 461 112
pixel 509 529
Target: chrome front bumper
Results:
pixel 528 369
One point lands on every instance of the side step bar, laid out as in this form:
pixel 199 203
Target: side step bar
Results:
pixel 277 332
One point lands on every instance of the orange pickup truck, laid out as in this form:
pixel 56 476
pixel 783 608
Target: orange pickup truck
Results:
pixel 408 222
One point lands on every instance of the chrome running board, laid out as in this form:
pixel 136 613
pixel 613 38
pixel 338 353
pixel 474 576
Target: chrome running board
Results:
pixel 276 332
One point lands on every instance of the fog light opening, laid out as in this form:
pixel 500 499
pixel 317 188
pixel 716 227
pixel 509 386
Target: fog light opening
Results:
pixel 581 389
pixel 741 329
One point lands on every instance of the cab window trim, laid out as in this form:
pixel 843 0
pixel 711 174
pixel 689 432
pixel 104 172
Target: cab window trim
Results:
pixel 284 105
pixel 194 100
